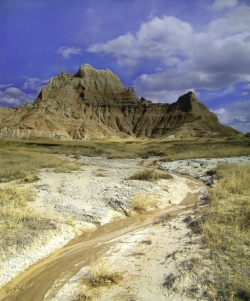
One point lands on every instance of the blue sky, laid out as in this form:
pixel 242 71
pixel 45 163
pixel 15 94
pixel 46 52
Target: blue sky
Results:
pixel 163 48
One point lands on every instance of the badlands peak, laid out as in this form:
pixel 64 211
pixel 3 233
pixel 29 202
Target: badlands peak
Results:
pixel 94 104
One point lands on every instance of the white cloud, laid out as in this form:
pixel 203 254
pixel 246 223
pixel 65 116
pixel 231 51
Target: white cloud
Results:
pixel 234 26
pixel 15 96
pixel 163 96
pixel 158 38
pixel 66 52
pixel 152 14
pixel 35 84
pixel 247 86
pixel 220 111
pixel 221 4
pixel 236 115
pixel 244 93
pixel 215 58
pixel 5 86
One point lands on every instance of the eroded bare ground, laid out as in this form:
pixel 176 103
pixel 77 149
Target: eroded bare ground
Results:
pixel 144 248
pixel 161 261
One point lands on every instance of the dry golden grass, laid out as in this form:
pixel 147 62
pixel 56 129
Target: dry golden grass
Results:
pixel 101 274
pixel 84 296
pixel 68 166
pixel 134 148
pixel 19 224
pixel 206 149
pixel 23 165
pixel 150 174
pixel 227 232
pixel 142 202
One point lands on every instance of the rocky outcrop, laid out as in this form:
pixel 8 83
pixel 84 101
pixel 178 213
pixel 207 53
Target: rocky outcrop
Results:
pixel 94 104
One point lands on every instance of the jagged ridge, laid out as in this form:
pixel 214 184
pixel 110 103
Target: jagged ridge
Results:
pixel 95 104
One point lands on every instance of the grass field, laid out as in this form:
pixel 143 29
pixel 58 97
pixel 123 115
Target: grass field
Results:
pixel 226 232
pixel 134 148
pixel 23 165
pixel 19 224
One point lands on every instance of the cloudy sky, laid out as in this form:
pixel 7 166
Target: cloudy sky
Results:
pixel 163 48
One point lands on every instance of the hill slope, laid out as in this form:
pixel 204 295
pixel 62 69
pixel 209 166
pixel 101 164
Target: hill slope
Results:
pixel 94 104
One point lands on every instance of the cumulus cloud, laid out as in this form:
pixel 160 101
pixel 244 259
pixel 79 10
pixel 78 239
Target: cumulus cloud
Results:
pixel 221 4
pixel 215 58
pixel 5 86
pixel 35 84
pixel 15 96
pixel 159 38
pixel 236 115
pixel 66 52
pixel 152 14
pixel 164 96
pixel 244 93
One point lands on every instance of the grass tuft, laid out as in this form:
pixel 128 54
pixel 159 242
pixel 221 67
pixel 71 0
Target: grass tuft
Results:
pixel 142 202
pixel 101 274
pixel 150 174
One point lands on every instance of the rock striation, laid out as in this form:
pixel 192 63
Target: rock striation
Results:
pixel 94 104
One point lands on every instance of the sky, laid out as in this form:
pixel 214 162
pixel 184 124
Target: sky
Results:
pixel 163 48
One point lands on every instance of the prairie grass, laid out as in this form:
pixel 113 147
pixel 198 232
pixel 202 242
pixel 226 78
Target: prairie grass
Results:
pixel 226 232
pixel 101 274
pixel 149 174
pixel 134 148
pixel 206 149
pixel 142 202
pixel 23 165
pixel 19 224
pixel 86 294
pixel 68 166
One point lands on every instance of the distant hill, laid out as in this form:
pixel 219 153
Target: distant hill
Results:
pixel 94 104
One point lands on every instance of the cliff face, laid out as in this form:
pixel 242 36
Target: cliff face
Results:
pixel 94 104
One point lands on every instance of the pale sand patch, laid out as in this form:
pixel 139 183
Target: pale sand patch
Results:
pixel 80 199
pixel 145 257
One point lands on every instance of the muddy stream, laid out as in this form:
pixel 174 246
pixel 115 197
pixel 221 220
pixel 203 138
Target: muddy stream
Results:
pixel 33 284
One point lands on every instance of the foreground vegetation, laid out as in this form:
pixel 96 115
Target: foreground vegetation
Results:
pixel 142 202
pixel 19 224
pixel 101 274
pixel 227 233
pixel 148 174
pixel 226 228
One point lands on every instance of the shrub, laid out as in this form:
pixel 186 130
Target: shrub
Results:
pixel 150 174
pixel 101 274
pixel 142 202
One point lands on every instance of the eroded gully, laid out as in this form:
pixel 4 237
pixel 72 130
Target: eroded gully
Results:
pixel 34 283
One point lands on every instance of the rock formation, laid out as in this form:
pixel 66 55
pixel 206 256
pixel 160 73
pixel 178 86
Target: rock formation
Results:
pixel 94 104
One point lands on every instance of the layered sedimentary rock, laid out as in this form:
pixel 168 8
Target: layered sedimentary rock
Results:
pixel 94 104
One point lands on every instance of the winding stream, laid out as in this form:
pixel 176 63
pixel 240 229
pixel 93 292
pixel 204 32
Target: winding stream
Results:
pixel 33 284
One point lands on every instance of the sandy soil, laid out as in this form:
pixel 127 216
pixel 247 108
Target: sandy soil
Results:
pixel 145 258
pixel 143 248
